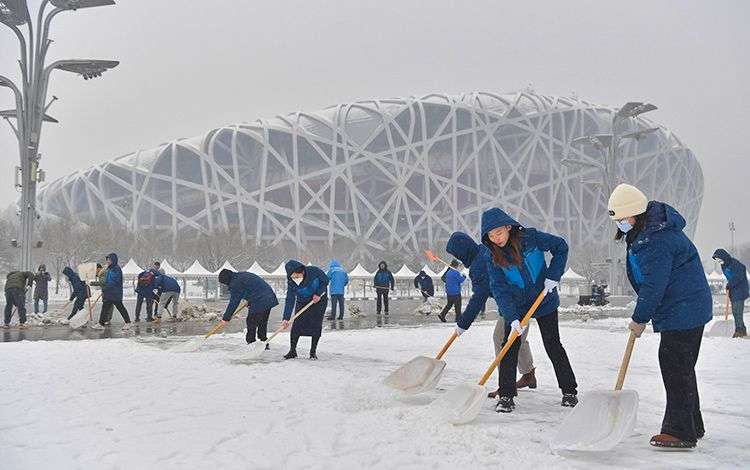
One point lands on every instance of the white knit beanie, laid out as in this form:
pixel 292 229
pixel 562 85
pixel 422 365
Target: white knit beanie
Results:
pixel 626 201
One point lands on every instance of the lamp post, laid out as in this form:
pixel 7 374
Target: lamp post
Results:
pixel 608 165
pixel 31 95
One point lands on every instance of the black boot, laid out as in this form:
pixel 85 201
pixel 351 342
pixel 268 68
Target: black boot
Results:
pixel 569 399
pixel 291 354
pixel 505 405
pixel 314 347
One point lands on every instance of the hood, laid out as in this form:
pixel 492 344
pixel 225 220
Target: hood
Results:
pixel 226 276
pixel 68 272
pixel 42 267
pixel 113 258
pixel 722 254
pixel 334 264
pixel 463 247
pixel 422 274
pixel 382 266
pixel 494 218
pixel 292 266
pixel 660 215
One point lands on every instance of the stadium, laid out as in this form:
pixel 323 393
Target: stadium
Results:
pixel 393 176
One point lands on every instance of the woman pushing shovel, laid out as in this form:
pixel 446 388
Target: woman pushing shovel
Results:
pixel 665 271
pixel 305 284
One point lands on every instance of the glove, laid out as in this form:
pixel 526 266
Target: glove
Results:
pixel 549 285
pixel 459 330
pixel 516 326
pixel 637 328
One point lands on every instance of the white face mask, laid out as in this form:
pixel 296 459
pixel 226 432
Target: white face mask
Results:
pixel 297 280
pixel 624 226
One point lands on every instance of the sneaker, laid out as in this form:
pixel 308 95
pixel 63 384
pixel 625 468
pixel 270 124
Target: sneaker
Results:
pixel 97 326
pixel 290 355
pixel 667 441
pixel 22 326
pixel 569 399
pixel 442 317
pixel 505 405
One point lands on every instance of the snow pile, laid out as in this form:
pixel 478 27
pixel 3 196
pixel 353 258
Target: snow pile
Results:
pixel 210 422
pixel 354 310
pixel 56 317
pixel 432 306
pixel 592 312
pixel 201 312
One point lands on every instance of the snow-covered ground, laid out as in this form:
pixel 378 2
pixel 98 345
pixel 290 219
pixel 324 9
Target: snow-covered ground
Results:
pixel 135 404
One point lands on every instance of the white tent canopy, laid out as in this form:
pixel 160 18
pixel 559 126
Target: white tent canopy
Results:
pixel 405 273
pixel 258 269
pixel 359 271
pixel 571 275
pixel 279 272
pixel 226 265
pixel 169 269
pixel 197 270
pixel 131 268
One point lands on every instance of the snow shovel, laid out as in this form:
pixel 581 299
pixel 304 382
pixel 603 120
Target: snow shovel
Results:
pixel 722 328
pixel 256 348
pixel 194 344
pixel 84 315
pixel 421 374
pixel 461 404
pixel 603 417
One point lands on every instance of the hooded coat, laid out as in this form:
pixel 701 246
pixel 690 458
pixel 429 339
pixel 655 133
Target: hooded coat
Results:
pixel 473 256
pixel 666 272
pixel 41 285
pixel 383 277
pixel 78 288
pixel 515 288
pixel 736 274
pixel 337 277
pixel 423 282
pixel 314 282
pixel 453 280
pixel 164 283
pixel 112 285
pixel 250 287
pixel 147 291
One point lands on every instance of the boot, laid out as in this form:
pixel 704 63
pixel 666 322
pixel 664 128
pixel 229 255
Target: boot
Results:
pixel 527 380
pixel 291 354
pixel 670 442
pixel 494 394
pixel 505 405
pixel 441 316
pixel 739 333
pixel 569 399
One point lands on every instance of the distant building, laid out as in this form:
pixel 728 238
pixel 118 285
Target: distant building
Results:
pixel 393 175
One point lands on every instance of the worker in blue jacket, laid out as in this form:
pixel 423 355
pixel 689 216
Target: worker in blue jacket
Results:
pixel 423 282
pixel 666 273
pixel 168 292
pixel 337 282
pixel 453 278
pixel 305 284
pixel 112 294
pixel 474 256
pixel 518 273
pixel 260 299
pixel 384 283
pixel 737 288
pixel 79 291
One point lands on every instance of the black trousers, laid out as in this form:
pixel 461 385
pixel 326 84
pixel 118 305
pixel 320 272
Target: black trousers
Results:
pixel 382 300
pixel 678 353
pixel 149 307
pixel 337 300
pixel 16 297
pixel 77 306
pixel 107 307
pixel 294 339
pixel 453 301
pixel 257 324
pixel 550 333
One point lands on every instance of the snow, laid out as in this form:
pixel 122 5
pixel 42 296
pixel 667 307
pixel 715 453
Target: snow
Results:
pixel 122 403
pixel 197 270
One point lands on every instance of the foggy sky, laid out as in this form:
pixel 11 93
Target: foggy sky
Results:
pixel 189 66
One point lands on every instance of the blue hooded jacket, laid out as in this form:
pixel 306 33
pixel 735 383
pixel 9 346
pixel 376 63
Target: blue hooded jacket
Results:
pixel 147 291
pixel 78 287
pixel 666 272
pixel 515 288
pixel 736 274
pixel 474 256
pixel 423 282
pixel 383 278
pixel 112 288
pixel 314 282
pixel 453 280
pixel 164 283
pixel 251 287
pixel 337 277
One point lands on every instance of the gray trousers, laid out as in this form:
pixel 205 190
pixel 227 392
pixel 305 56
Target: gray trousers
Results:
pixel 174 307
pixel 525 359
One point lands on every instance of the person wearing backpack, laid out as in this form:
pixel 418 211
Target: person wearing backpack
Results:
pixel 145 293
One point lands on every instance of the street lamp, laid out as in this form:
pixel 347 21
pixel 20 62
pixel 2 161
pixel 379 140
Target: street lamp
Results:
pixel 608 146
pixel 31 95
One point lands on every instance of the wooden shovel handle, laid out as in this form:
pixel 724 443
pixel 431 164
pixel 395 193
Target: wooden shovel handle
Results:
pixel 726 309
pixel 447 345
pixel 220 325
pixel 281 328
pixel 625 362
pixel 512 338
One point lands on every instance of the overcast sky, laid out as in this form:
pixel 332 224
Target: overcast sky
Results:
pixel 189 66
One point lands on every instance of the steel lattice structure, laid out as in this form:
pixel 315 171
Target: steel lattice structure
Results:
pixel 391 175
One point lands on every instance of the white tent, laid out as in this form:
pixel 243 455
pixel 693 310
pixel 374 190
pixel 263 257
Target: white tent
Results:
pixel 359 272
pixel 405 273
pixel 131 269
pixel 715 276
pixel 279 272
pixel 197 270
pixel 169 269
pixel 571 275
pixel 226 265
pixel 258 269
